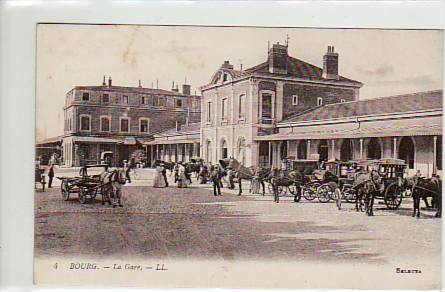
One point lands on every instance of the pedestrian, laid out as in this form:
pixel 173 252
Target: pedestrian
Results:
pixel 164 174
pixel 231 176
pixel 176 171
pixel 216 180
pixel 159 179
pixel 182 178
pixel 50 175
pixel 127 169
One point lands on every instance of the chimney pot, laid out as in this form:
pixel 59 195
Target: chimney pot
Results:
pixel 110 81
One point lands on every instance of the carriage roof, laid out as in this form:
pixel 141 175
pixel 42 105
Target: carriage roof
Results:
pixel 96 165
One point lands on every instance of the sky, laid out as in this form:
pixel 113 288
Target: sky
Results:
pixel 387 62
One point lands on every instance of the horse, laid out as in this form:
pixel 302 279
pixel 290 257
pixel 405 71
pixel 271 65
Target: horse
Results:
pixel 260 175
pixel 112 182
pixel 424 188
pixel 241 172
pixel 366 186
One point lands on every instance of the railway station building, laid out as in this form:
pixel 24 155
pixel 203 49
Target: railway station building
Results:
pixel 285 108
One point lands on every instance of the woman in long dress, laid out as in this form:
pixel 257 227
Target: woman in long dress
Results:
pixel 182 178
pixel 158 181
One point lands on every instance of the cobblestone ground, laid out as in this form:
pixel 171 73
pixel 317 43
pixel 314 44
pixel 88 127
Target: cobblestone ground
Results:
pixel 191 223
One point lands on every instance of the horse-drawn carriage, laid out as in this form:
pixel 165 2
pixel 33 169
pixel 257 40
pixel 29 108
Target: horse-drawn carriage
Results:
pixel 391 172
pixel 87 186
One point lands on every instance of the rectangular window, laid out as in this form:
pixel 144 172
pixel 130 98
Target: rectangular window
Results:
pixel 242 107
pixel 125 99
pixel 125 125
pixel 85 123
pixel 295 99
pixel 320 101
pixel 179 103
pixel 224 109
pixel 105 124
pixel 144 100
pixel 85 96
pixel 209 111
pixel 155 100
pixel 105 98
pixel 143 125
pixel 267 108
pixel 161 101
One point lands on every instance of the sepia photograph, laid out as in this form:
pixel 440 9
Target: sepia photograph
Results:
pixel 238 157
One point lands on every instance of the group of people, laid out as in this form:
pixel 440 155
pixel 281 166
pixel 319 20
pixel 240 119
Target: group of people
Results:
pixel 182 177
pixel 216 174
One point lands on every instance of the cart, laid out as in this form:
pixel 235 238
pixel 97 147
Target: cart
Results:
pixel 85 185
pixel 39 178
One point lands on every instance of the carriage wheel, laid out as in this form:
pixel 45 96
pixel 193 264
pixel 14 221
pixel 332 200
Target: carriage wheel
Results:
pixel 349 194
pixel 82 196
pixel 323 194
pixel 282 190
pixel 310 191
pixel 393 196
pixel 338 197
pixel 64 190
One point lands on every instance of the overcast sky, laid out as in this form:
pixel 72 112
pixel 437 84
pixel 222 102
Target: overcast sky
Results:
pixel 388 62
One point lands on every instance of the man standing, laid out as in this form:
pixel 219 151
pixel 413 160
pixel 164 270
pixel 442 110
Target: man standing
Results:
pixel 230 176
pixel 127 169
pixel 216 180
pixel 50 175
pixel 164 174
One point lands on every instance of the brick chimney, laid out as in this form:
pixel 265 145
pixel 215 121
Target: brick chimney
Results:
pixel 227 65
pixel 109 81
pixel 186 89
pixel 278 59
pixel 330 64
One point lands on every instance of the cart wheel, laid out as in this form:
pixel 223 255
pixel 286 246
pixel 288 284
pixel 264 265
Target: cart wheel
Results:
pixel 337 194
pixel 393 196
pixel 82 196
pixel 92 194
pixel 282 190
pixel 64 191
pixel 292 189
pixel 349 194
pixel 323 194
pixel 309 192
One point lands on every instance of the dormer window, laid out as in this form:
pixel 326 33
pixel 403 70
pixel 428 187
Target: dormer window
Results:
pixel 295 99
pixel 225 77
pixel 85 96
pixel 320 101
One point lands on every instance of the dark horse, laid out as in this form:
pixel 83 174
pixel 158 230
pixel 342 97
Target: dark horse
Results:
pixel 286 178
pixel 423 188
pixel 241 172
pixel 366 185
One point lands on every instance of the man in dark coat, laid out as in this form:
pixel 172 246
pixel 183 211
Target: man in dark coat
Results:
pixel 164 174
pixel 216 180
pixel 50 175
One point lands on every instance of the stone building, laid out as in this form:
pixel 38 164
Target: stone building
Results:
pixel 407 127
pixel 240 106
pixel 114 122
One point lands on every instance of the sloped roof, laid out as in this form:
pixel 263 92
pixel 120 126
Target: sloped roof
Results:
pixel 141 90
pixel 419 101
pixel 299 69
pixel 183 129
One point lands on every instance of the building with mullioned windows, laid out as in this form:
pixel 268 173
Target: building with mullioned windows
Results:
pixel 115 123
pixel 285 108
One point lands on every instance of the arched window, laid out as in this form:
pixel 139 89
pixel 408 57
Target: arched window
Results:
pixel 374 149
pixel 224 150
pixel 323 150
pixel 346 150
pixel 302 150
pixel 283 150
pixel 208 151
pixel 241 150
pixel 407 151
